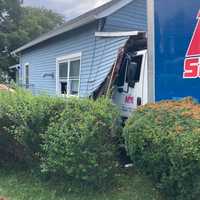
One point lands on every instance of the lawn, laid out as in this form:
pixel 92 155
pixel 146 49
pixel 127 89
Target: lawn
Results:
pixel 23 186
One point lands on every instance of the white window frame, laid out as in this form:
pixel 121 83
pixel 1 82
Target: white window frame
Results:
pixel 25 65
pixel 67 58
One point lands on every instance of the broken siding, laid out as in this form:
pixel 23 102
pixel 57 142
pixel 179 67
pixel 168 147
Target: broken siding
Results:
pixel 131 17
pixel 105 56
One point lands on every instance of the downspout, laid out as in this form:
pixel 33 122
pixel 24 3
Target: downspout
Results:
pixel 100 27
pixel 101 24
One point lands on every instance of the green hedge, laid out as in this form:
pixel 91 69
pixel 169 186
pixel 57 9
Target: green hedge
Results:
pixel 163 140
pixel 82 144
pixel 23 119
pixel 71 138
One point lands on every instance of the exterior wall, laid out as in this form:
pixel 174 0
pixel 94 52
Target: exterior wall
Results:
pixel 129 18
pixel 98 54
pixel 106 52
pixel 42 59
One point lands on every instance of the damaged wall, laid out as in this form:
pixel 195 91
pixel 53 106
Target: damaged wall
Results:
pixel 98 54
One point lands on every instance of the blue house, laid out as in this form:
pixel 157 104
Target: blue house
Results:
pixel 77 57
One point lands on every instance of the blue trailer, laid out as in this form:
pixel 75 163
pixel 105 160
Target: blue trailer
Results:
pixel 174 49
pixel 169 67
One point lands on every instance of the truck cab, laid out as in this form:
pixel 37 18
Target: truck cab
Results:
pixel 131 88
pixel 127 82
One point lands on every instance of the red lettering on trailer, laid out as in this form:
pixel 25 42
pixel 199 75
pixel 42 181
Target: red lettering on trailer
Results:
pixel 192 60
pixel 191 68
pixel 129 99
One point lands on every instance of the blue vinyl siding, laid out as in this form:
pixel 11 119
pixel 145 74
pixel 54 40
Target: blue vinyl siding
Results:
pixel 42 59
pixel 131 17
pixel 98 54
pixel 98 57
pixel 105 56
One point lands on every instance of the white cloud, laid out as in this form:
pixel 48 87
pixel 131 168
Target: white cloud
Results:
pixel 69 8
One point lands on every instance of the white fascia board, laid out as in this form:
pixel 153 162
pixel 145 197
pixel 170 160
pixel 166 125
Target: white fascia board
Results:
pixel 113 9
pixel 69 56
pixel 118 34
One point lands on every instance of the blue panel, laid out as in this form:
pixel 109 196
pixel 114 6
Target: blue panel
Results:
pixel 131 17
pixel 175 21
pixel 105 54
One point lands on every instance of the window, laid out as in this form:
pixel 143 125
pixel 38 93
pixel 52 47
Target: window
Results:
pixel 27 76
pixel 68 75
pixel 134 69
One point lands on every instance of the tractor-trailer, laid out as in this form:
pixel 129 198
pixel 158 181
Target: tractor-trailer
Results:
pixel 162 64
pixel 79 59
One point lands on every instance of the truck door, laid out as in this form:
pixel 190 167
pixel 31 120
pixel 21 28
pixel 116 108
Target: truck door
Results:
pixel 133 92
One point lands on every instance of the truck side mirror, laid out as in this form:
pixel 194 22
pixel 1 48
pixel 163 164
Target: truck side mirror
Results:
pixel 132 74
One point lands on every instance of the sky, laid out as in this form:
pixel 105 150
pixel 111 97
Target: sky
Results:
pixel 68 8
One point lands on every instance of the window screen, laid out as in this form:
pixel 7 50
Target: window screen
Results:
pixel 74 69
pixel 63 70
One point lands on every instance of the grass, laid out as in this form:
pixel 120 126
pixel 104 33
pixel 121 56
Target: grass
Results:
pixel 23 186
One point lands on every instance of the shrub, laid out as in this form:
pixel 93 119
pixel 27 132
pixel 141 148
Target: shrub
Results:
pixel 81 144
pixel 23 118
pixel 70 138
pixel 163 140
